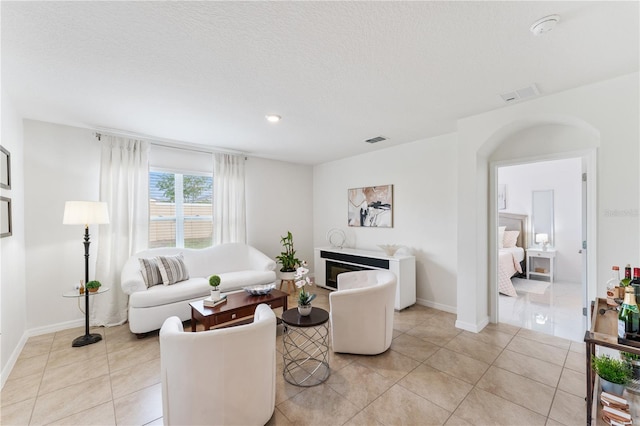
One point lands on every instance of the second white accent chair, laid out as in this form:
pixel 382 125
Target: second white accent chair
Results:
pixel 361 312
pixel 219 377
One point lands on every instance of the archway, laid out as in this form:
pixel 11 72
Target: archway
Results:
pixel 541 136
pixel 541 142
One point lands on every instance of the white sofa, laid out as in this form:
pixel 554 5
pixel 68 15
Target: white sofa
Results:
pixel 361 312
pixel 219 377
pixel 237 264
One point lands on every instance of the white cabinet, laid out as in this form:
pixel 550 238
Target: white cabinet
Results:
pixel 329 262
pixel 540 263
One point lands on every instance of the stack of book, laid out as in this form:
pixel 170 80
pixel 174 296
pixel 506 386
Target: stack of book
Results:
pixel 615 409
pixel 210 303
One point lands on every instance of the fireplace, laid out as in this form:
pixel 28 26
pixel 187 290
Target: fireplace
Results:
pixel 334 269
pixel 329 262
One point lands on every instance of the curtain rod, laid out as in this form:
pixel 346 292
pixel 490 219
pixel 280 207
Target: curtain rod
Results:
pixel 166 143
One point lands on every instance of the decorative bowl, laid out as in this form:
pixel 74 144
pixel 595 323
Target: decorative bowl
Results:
pixel 259 290
pixel 390 249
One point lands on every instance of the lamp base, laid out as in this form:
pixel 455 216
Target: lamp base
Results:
pixel 85 340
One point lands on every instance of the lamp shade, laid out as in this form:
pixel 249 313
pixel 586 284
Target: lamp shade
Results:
pixel 85 213
pixel 542 238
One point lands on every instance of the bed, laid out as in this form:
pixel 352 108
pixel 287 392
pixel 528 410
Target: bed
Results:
pixel 511 254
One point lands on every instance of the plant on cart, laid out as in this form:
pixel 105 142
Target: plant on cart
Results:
pixel 612 370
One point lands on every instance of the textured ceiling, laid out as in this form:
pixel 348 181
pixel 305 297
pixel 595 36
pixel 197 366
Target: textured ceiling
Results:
pixel 337 72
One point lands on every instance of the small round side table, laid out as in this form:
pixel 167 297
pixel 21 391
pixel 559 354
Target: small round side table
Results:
pixel 306 347
pixel 88 338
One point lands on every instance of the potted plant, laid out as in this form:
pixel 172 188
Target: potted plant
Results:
pixel 304 297
pixel 214 282
pixel 614 373
pixel 288 258
pixel 93 286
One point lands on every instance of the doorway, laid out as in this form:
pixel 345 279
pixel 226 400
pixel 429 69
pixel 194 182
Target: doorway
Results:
pixel 548 294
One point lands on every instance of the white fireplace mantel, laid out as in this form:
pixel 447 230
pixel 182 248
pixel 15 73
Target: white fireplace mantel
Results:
pixel 403 266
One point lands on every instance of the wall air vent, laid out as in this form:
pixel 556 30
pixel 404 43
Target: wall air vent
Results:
pixel 520 94
pixel 376 139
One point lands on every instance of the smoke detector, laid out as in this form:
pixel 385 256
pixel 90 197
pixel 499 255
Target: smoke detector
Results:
pixel 545 24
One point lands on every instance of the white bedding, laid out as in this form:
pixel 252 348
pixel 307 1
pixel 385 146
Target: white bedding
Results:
pixel 508 264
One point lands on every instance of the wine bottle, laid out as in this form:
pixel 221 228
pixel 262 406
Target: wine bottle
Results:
pixel 614 281
pixel 627 310
pixel 627 276
pixel 635 283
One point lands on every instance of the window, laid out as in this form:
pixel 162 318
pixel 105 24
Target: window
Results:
pixel 180 209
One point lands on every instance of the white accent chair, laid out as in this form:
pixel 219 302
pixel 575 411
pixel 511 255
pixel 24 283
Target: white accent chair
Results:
pixel 361 312
pixel 219 377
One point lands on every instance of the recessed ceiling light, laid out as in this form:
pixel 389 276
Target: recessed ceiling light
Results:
pixel 545 24
pixel 272 118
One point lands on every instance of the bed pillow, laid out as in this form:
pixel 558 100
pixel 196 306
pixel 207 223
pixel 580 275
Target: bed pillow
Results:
pixel 172 269
pixel 150 271
pixel 501 230
pixel 510 238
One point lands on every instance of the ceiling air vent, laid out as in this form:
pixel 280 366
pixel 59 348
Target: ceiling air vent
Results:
pixel 376 139
pixel 520 94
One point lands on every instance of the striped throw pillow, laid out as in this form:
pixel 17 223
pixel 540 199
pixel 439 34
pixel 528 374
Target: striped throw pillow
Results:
pixel 172 269
pixel 150 271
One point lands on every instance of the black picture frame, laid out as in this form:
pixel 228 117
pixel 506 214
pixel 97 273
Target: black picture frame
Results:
pixel 6 226
pixel 5 168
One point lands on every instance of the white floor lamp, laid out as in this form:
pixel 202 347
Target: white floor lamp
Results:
pixel 86 213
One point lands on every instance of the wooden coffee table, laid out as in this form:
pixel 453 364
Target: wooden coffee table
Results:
pixel 238 305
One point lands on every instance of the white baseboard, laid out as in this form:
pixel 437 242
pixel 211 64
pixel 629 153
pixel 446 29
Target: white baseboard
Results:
pixel 474 328
pixel 52 328
pixel 438 306
pixel 12 360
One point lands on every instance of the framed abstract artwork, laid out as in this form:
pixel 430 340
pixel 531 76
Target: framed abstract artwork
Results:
pixel 371 207
pixel 5 217
pixel 5 168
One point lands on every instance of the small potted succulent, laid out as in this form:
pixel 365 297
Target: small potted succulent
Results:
pixel 93 286
pixel 288 258
pixel 614 373
pixel 304 297
pixel 214 282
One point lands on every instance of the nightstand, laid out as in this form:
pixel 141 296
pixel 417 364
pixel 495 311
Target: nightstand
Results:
pixel 543 260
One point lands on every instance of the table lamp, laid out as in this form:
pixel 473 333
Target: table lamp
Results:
pixel 85 213
pixel 542 239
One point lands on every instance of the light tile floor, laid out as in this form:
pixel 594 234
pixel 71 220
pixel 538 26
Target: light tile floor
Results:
pixel 433 374
pixel 557 311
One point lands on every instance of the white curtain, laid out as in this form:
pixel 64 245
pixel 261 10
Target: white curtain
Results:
pixel 124 186
pixel 229 214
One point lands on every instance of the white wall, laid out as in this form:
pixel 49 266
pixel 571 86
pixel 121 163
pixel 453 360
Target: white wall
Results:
pixel 13 296
pixel 564 178
pixel 610 110
pixel 423 174
pixel 279 199
pixel 62 163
